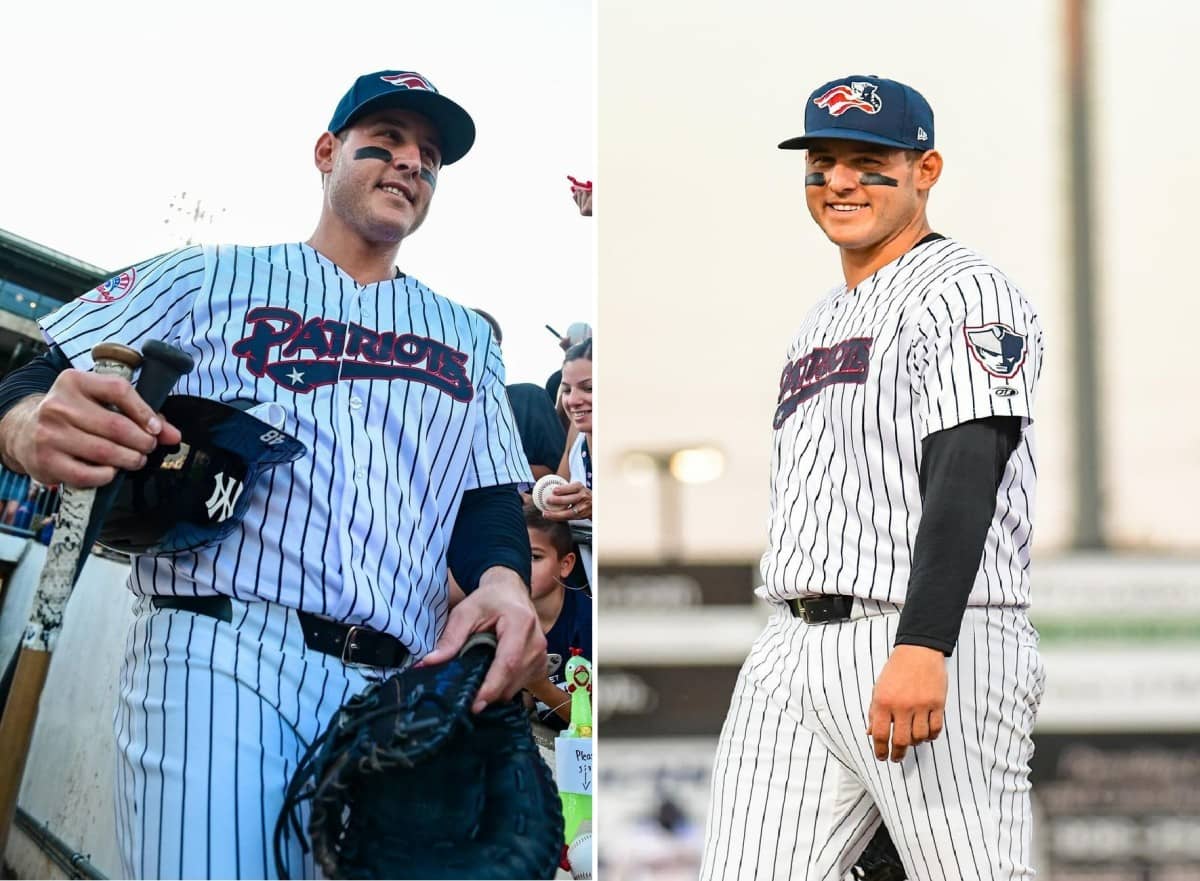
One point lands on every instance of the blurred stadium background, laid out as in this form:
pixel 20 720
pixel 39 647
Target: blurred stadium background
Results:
pixel 1069 137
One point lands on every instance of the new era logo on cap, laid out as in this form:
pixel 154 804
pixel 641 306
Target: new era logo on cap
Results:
pixel 866 108
pixel 406 79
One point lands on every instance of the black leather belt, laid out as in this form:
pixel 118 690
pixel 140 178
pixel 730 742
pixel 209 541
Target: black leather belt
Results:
pixel 822 610
pixel 352 643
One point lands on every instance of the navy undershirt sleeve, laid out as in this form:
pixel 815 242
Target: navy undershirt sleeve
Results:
pixel 489 531
pixel 961 470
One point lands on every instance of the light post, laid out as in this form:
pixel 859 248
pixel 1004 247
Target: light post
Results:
pixel 670 469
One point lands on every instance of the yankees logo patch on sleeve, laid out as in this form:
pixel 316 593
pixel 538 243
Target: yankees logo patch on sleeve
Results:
pixel 112 290
pixel 997 348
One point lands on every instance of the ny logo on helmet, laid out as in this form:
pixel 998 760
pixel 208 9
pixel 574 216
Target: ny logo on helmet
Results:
pixel 406 79
pixel 225 495
pixel 855 96
pixel 997 348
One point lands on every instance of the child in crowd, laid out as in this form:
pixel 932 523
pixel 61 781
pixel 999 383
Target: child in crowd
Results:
pixel 565 612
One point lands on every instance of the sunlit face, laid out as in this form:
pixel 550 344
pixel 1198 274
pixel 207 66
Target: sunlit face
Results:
pixel 854 214
pixel 577 393
pixel 549 569
pixel 382 200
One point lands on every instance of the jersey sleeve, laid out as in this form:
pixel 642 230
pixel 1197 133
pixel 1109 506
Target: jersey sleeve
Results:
pixel 977 353
pixel 152 300
pixel 496 452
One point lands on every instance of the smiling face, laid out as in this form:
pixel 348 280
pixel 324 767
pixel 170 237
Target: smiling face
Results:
pixel 380 174
pixel 870 216
pixel 577 393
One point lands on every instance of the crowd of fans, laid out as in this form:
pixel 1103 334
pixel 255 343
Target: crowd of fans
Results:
pixel 555 425
pixel 29 508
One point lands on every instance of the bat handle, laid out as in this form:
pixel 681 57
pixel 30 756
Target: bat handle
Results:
pixel 162 366
pixel 66 552
pixel 115 359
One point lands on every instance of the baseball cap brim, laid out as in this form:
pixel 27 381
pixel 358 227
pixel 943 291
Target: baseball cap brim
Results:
pixel 456 129
pixel 842 134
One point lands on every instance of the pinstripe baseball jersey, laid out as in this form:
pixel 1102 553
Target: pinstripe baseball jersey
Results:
pixel 936 338
pixel 397 392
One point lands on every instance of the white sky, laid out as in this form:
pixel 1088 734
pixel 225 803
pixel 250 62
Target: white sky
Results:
pixel 111 110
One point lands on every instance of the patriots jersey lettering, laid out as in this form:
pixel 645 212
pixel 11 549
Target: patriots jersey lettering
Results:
pixel 370 354
pixel 936 338
pixel 398 394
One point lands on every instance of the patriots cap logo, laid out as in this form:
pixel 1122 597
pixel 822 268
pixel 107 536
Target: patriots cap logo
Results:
pixel 406 79
pixel 998 348
pixel 850 96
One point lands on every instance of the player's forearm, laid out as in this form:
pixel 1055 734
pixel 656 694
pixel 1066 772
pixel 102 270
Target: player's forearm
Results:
pixel 12 424
pixel 961 471
pixel 20 393
pixel 489 533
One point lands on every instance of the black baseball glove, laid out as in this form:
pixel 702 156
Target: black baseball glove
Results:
pixel 880 861
pixel 407 783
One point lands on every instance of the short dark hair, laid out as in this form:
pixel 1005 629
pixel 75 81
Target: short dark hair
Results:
pixel 579 350
pixel 558 533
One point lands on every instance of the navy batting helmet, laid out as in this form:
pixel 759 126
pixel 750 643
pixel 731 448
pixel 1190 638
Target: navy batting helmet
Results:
pixel 195 494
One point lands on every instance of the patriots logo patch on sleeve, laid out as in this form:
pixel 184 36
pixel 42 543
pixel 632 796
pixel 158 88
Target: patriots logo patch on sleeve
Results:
pixel 997 348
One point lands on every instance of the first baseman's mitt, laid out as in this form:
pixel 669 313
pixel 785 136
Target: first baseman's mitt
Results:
pixel 879 861
pixel 407 783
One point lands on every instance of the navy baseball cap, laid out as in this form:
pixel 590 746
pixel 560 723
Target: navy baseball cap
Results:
pixel 385 89
pixel 870 109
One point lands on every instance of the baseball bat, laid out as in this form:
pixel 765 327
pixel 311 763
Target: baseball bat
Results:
pixel 162 366
pixel 45 620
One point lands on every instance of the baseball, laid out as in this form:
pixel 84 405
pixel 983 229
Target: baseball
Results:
pixel 579 854
pixel 543 487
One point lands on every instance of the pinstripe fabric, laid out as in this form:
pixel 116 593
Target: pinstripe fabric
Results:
pixel 796 789
pixel 936 338
pixel 357 529
pixel 845 501
pixel 399 395
pixel 211 720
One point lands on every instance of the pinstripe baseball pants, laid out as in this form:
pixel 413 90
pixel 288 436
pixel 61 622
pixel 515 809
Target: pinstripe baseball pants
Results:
pixel 797 792
pixel 210 723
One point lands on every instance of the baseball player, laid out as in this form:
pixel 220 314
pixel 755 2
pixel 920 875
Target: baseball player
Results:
pixel 898 677
pixel 338 573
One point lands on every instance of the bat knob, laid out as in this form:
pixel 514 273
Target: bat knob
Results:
pixel 131 358
pixel 177 360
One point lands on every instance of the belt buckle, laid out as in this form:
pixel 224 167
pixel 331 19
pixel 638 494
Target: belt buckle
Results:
pixel 350 646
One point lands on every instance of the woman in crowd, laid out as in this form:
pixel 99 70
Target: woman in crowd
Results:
pixel 573 501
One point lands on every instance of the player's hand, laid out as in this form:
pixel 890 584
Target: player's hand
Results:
pixel 500 604
pixel 569 501
pixel 581 192
pixel 583 198
pixel 70 435
pixel 909 701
